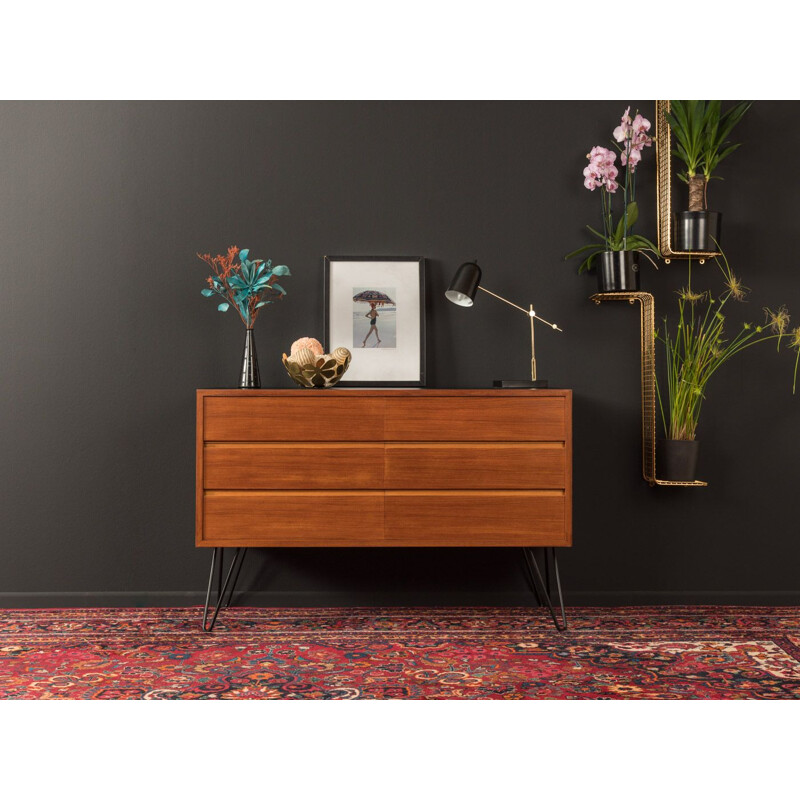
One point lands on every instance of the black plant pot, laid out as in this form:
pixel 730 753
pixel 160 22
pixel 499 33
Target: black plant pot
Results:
pixel 676 460
pixel 697 231
pixel 618 271
pixel 249 377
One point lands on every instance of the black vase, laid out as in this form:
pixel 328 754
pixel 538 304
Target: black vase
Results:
pixel 249 378
pixel 676 460
pixel 697 231
pixel 618 271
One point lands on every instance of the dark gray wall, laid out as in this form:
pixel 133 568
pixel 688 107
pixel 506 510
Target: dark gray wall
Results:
pixel 104 337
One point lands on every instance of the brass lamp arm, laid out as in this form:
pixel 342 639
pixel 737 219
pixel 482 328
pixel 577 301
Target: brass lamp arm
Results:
pixel 527 312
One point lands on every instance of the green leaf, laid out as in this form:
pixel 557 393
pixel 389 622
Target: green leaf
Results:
pixel 223 306
pixel 207 292
pixel 597 234
pixel 633 214
pixel 243 254
pixel 588 263
pixel 281 270
pixel 583 249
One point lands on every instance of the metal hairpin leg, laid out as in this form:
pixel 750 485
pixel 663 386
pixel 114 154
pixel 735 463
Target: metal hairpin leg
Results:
pixel 541 588
pixel 236 577
pixel 217 555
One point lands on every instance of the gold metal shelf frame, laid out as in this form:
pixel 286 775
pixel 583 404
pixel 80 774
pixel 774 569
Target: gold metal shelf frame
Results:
pixel 664 190
pixel 648 337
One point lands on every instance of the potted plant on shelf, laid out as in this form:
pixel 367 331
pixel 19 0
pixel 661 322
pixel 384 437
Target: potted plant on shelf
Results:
pixel 696 347
pixel 616 247
pixel 701 134
pixel 248 286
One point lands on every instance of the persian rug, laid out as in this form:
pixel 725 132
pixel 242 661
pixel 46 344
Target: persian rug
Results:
pixel 662 652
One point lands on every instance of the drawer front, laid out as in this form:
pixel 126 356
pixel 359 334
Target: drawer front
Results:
pixel 476 466
pixel 293 466
pixel 279 419
pixel 292 519
pixel 478 519
pixel 476 419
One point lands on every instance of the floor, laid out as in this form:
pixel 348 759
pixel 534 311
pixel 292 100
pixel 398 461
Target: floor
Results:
pixel 657 652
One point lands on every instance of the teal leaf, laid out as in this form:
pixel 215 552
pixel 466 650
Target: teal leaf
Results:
pixel 223 306
pixel 263 303
pixel 207 292
pixel 278 288
pixel 243 255
pixel 281 270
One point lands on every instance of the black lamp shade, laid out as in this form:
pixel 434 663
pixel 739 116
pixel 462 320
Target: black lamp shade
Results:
pixel 464 285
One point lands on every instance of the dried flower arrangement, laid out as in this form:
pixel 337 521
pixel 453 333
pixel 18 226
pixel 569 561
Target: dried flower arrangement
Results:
pixel 248 285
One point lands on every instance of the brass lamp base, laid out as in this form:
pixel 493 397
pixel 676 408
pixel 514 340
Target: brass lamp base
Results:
pixel 538 384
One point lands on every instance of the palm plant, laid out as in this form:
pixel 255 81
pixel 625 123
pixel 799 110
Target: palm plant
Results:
pixel 701 134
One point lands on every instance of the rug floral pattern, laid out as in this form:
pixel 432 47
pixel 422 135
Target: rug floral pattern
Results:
pixel 433 653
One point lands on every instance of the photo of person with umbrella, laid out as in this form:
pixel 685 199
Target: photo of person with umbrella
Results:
pixel 363 330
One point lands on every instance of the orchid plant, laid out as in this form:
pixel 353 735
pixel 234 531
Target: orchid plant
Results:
pixel 247 286
pixel 630 139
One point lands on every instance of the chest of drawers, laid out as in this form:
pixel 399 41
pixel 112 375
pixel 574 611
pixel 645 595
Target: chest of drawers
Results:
pixel 384 468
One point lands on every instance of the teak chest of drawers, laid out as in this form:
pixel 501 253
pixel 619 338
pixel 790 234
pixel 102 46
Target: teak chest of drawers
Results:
pixel 384 468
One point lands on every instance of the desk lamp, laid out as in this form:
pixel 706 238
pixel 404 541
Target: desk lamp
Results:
pixel 462 290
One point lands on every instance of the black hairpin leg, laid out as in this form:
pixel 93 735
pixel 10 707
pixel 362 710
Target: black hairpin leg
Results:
pixel 236 576
pixel 542 588
pixel 216 556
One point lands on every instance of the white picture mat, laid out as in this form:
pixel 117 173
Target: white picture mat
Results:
pixel 401 363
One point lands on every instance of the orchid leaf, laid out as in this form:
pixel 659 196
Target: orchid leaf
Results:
pixel 597 233
pixel 582 250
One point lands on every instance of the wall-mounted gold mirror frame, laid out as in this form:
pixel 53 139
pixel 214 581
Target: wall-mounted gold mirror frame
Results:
pixel 664 189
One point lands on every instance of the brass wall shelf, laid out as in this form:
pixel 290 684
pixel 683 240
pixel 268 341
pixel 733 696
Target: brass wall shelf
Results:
pixel 648 346
pixel 664 190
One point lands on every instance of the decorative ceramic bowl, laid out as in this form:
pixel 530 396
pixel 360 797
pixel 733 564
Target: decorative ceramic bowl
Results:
pixel 317 372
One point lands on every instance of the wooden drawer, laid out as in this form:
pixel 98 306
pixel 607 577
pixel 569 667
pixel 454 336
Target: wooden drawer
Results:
pixel 477 519
pixel 476 466
pixel 293 465
pixel 286 419
pixel 293 519
pixel 466 419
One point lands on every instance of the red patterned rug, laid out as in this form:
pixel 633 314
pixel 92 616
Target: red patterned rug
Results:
pixel 433 653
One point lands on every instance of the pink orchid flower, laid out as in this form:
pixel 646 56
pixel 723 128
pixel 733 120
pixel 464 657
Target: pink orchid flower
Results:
pixel 621 132
pixel 632 158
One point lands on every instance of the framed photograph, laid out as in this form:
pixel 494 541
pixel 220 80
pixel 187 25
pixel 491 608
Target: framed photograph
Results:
pixel 375 307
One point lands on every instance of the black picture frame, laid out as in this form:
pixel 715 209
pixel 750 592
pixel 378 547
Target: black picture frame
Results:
pixel 328 261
